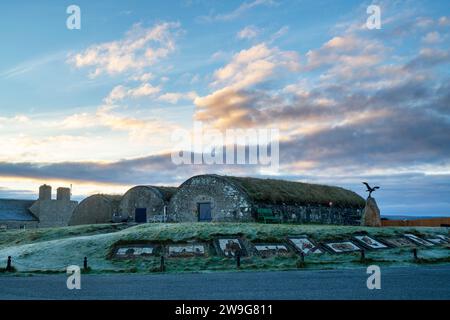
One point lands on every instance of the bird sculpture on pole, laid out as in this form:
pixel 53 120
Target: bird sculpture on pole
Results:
pixel 370 189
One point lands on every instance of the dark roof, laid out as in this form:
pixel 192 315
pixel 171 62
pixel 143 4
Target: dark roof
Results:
pixel 16 210
pixel 273 191
pixel 110 197
pixel 167 192
pixel 114 199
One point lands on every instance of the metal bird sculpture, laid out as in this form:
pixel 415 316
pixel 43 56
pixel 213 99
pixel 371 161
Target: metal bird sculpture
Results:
pixel 370 189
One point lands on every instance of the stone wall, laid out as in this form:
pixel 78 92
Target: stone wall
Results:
pixel 141 197
pixel 18 225
pixel 63 194
pixel 430 222
pixel 315 214
pixel 53 213
pixel 227 202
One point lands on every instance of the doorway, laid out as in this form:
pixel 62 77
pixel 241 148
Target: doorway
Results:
pixel 204 212
pixel 140 215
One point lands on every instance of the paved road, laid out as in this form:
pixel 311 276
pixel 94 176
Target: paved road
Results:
pixel 396 283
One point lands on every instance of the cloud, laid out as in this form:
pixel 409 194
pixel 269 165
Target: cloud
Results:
pixel 124 171
pixel 121 92
pixel 232 103
pixel 243 8
pixel 144 77
pixel 444 21
pixel 428 58
pixel 92 134
pixel 154 169
pixel 432 37
pixel 117 93
pixel 79 120
pixel 280 32
pixel 355 108
pixel 348 49
pixel 219 56
pixel 33 64
pixel 174 97
pixel 374 143
pixel 424 22
pixel 22 119
pixel 140 48
pixel 248 32
pixel 57 146
pixel 255 65
pixel 6 193
pixel 146 129
pixel 143 90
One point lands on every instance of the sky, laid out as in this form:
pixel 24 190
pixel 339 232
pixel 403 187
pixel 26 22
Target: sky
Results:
pixel 96 108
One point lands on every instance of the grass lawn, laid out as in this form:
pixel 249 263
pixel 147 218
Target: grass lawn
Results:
pixel 52 250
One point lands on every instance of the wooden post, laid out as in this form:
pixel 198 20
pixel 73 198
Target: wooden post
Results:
pixel 8 264
pixel 85 263
pixel 301 263
pixel 162 266
pixel 238 259
pixel 415 253
pixel 363 255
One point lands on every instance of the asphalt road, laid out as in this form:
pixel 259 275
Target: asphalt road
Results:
pixel 396 283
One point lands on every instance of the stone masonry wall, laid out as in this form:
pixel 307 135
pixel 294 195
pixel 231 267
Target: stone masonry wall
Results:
pixel 315 214
pixel 92 210
pixel 18 224
pixel 141 197
pixel 53 213
pixel 227 202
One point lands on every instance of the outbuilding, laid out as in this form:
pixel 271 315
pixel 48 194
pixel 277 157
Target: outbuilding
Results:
pixel 227 198
pixel 44 212
pixel 16 214
pixel 98 208
pixel 146 203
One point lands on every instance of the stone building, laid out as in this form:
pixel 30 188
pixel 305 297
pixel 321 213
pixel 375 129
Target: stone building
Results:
pixel 50 212
pixel 226 198
pixel 145 204
pixel 16 214
pixel 41 213
pixel 99 208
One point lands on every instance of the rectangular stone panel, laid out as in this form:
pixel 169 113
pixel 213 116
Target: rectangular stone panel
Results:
pixel 370 242
pixel 342 247
pixel 304 245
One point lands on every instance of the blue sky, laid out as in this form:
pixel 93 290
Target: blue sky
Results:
pixel 96 107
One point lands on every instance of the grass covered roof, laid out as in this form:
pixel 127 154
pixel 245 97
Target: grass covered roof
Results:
pixel 167 192
pixel 114 199
pixel 275 191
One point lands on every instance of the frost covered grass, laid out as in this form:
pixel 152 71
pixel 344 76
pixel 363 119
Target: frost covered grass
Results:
pixel 18 237
pixel 52 250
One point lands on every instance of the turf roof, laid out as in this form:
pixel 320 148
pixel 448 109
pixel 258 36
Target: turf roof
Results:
pixel 273 191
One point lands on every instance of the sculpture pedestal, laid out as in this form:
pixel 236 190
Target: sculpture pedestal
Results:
pixel 371 215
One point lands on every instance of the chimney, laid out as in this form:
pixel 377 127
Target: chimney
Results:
pixel 63 194
pixel 45 192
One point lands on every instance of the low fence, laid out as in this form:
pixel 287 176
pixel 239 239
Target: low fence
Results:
pixel 431 222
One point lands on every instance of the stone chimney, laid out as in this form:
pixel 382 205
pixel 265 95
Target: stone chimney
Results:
pixel 63 194
pixel 45 192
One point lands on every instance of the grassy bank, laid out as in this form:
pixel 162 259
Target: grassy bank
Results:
pixel 18 237
pixel 52 250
